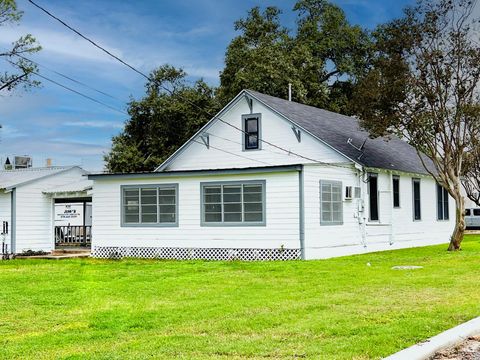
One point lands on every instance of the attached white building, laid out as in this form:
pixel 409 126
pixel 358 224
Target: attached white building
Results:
pixel 313 186
pixel 29 200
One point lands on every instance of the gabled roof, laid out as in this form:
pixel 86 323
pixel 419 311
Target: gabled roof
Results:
pixel 73 187
pixel 10 179
pixel 335 129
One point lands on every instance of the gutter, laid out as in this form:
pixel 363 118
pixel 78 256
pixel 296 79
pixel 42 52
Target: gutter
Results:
pixel 190 173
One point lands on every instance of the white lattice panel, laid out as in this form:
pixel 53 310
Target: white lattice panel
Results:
pixel 107 252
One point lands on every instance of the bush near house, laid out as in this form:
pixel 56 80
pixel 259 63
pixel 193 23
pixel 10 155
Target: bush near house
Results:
pixel 333 309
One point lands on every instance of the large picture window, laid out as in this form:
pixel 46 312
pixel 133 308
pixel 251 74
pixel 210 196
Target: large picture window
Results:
pixel 417 205
pixel 331 205
pixel 252 131
pixel 373 196
pixel 442 203
pixel 233 203
pixel 150 205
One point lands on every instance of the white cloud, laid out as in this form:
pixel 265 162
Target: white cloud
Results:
pixel 60 43
pixel 94 124
pixel 11 132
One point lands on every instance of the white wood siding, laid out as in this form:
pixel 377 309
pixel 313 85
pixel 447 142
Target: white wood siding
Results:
pixel 395 228
pixel 282 216
pixel 5 215
pixel 34 211
pixel 318 237
pixel 275 130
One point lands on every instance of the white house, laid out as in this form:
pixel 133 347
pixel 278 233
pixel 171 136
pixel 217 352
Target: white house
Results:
pixel 30 202
pixel 272 179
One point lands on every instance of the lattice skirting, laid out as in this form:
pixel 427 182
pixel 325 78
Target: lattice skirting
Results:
pixel 113 252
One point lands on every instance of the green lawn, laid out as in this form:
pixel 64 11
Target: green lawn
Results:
pixel 137 309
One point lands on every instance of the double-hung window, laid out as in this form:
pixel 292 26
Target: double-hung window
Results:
pixel 442 203
pixel 150 205
pixel 251 131
pixel 233 203
pixel 373 196
pixel 331 205
pixel 417 205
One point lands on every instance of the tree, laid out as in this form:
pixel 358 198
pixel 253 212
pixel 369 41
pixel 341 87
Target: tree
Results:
pixel 320 60
pixel 423 85
pixel 260 58
pixel 330 53
pixel 161 121
pixel 21 76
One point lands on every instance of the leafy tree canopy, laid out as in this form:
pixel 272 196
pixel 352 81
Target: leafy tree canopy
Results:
pixel 321 60
pixel 22 69
pixel 161 121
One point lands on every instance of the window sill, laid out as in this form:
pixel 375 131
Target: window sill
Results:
pixel 232 224
pixel 169 225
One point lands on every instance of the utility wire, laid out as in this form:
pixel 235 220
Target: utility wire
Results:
pixel 69 89
pixel 231 153
pixel 81 94
pixel 89 40
pixel 239 143
pixel 99 102
pixel 172 92
pixel 69 78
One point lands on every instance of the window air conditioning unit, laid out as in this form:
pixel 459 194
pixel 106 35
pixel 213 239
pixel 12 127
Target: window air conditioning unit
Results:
pixel 352 192
pixel 348 193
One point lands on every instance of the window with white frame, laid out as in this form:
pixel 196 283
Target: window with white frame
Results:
pixel 331 205
pixel 149 205
pixel 233 203
pixel 442 203
pixel 251 131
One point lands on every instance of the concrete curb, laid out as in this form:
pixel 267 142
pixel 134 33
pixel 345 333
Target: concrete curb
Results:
pixel 428 348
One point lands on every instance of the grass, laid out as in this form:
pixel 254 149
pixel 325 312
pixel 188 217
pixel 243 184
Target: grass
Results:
pixel 331 309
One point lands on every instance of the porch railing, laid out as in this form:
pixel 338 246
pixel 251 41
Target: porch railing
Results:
pixel 73 235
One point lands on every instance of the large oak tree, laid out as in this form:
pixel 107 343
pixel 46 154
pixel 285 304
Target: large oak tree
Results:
pixel 321 58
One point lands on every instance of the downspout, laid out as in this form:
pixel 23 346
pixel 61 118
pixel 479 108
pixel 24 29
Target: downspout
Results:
pixel 13 220
pixel 301 205
pixel 392 232
pixel 362 218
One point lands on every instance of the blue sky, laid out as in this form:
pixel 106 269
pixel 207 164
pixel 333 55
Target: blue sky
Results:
pixel 50 122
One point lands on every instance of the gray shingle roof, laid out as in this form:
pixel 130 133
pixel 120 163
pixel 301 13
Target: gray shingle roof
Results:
pixel 335 129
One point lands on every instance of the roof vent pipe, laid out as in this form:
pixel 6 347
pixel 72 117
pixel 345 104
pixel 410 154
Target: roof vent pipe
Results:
pixel 289 91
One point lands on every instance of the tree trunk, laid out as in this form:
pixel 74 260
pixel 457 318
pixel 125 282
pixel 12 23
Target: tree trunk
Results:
pixel 459 230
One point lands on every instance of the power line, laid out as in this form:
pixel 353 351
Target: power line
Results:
pixel 231 153
pixel 89 40
pixel 239 143
pixel 69 89
pixel 69 78
pixel 172 92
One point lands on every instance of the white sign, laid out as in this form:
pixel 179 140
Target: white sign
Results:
pixel 69 214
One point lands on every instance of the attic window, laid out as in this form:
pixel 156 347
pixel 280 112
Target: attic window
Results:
pixel 252 131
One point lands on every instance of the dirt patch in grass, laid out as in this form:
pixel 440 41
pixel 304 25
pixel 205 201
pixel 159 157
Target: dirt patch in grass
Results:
pixel 467 350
